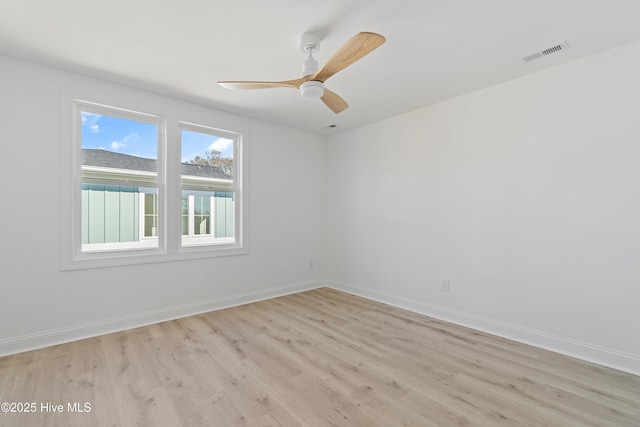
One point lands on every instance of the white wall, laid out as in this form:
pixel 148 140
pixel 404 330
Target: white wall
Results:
pixel 40 305
pixel 525 195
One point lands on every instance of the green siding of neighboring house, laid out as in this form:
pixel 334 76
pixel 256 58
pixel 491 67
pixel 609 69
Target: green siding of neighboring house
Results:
pixel 110 214
pixel 225 215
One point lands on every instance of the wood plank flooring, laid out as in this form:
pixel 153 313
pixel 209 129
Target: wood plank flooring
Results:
pixel 317 358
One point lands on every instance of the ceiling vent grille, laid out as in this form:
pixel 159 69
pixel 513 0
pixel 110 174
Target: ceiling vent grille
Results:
pixel 545 52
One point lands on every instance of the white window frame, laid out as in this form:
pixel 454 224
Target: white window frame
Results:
pixel 191 242
pixel 115 250
pixel 169 118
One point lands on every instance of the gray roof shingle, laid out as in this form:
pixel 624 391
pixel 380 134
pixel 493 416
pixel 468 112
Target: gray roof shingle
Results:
pixel 109 159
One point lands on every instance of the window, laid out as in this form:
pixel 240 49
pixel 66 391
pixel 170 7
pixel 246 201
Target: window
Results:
pixel 119 179
pixel 148 188
pixel 207 180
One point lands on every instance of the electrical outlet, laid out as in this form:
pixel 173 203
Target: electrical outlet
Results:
pixel 445 285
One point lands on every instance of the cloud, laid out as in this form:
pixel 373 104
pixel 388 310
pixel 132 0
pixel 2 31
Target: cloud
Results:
pixel 90 119
pixel 132 137
pixel 119 145
pixel 95 128
pixel 221 144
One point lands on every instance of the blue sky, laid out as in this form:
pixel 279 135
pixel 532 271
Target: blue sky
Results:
pixel 196 143
pixel 140 139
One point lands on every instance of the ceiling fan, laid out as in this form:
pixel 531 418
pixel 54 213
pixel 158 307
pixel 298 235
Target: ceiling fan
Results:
pixel 311 84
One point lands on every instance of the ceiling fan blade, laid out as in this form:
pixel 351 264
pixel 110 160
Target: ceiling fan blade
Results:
pixel 334 101
pixel 229 84
pixel 359 46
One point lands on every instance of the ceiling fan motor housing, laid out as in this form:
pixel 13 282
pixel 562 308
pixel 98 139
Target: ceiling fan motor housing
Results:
pixel 309 66
pixel 309 44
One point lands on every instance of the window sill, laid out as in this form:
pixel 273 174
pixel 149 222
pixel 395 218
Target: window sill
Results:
pixel 146 256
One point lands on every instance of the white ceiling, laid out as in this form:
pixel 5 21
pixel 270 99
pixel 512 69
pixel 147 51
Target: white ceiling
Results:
pixel 435 49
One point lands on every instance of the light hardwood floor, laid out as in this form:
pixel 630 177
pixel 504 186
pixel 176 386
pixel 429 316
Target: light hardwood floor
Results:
pixel 317 358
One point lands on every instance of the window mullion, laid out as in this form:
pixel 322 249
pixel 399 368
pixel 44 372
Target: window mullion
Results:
pixel 170 206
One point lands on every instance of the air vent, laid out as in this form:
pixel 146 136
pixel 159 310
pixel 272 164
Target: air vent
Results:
pixel 545 52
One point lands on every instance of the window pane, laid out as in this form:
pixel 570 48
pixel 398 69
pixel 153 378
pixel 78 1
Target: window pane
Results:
pixel 117 156
pixel 208 205
pixel 206 155
pixel 128 146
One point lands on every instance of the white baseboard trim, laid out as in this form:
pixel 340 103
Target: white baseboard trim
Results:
pixel 52 337
pixel 591 353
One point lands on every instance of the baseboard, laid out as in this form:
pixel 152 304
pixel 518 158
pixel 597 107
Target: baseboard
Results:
pixel 580 350
pixel 48 338
pixel 588 352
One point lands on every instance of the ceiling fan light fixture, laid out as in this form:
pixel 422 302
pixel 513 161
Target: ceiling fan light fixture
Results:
pixel 312 89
